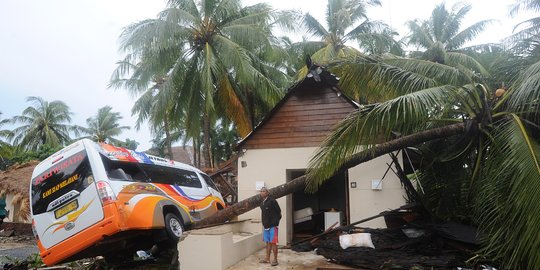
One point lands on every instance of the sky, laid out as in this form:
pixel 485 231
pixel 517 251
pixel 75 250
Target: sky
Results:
pixel 66 50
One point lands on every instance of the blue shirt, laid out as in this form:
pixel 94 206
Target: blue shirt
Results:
pixel 3 212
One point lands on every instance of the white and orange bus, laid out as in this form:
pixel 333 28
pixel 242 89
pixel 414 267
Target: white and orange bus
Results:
pixel 92 199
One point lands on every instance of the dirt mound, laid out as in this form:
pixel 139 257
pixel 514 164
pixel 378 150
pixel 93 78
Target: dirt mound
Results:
pixel 16 180
pixel 17 228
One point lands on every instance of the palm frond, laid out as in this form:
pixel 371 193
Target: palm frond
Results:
pixel 232 105
pixel 521 5
pixel 419 35
pixel 462 59
pixel 313 26
pixel 188 5
pixel 367 126
pixel 178 16
pixel 246 35
pixel 226 9
pixel 287 20
pixel 439 22
pixel 524 96
pixel 374 79
pixel 366 27
pixel 454 20
pixel 467 34
pixel 511 181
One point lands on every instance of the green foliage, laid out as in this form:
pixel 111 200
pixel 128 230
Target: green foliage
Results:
pixel 128 144
pixel 487 176
pixel 20 156
pixel 442 40
pixel 220 36
pixel 346 21
pixel 4 133
pixel 224 140
pixel 44 123
pixel 104 126
pixel 510 178
pixel 200 60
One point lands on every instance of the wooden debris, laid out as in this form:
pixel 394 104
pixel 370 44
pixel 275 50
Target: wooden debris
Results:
pixel 393 250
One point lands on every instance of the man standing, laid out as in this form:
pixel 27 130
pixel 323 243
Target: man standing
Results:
pixel 271 214
pixel 3 211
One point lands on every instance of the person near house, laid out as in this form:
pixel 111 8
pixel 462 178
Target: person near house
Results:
pixel 3 211
pixel 271 215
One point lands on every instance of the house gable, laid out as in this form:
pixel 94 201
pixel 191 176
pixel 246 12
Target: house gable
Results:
pixel 304 118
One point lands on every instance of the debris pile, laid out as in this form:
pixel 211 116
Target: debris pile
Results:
pixel 393 250
pixel 410 242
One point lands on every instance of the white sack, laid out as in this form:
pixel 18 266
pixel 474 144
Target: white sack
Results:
pixel 355 240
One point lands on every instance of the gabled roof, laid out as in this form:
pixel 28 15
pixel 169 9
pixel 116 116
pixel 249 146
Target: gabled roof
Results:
pixel 316 75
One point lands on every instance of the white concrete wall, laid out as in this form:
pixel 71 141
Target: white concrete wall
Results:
pixel 270 166
pixel 13 210
pixel 219 247
pixel 365 202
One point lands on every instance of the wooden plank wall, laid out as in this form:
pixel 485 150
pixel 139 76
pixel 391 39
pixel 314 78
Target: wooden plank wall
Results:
pixel 303 120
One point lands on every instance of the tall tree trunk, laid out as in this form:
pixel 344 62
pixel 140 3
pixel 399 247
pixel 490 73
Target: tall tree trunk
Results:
pixel 250 108
pixel 168 140
pixel 206 140
pixel 195 159
pixel 299 183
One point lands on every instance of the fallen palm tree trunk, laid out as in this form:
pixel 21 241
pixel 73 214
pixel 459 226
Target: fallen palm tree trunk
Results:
pixel 299 183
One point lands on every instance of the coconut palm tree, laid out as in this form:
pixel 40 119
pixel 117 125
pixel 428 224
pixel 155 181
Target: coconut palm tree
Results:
pixel 440 37
pixel 5 134
pixel 525 42
pixel 206 54
pixel 7 151
pixel 156 108
pixel 489 142
pixel 104 126
pixel 44 123
pixel 347 21
pixel 529 27
pixel 224 140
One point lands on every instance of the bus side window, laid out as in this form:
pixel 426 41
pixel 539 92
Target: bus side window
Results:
pixel 187 179
pixel 159 174
pixel 140 177
pixel 119 174
pixel 209 181
pixel 123 171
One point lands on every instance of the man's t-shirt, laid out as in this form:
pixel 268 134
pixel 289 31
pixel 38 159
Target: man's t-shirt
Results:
pixel 3 212
pixel 271 213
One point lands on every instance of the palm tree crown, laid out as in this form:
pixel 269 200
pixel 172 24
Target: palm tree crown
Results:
pixel 104 126
pixel 205 54
pixel 205 58
pixel 441 38
pixel 347 21
pixel 44 123
pixel 484 175
pixel 4 133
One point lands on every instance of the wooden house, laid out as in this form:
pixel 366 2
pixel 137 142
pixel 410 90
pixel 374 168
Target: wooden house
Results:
pixel 280 147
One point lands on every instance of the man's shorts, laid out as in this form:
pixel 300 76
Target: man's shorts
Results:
pixel 270 235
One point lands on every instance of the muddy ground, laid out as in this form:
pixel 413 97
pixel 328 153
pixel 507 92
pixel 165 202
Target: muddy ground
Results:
pixel 17 247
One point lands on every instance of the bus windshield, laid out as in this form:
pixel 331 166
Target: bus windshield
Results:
pixel 71 174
